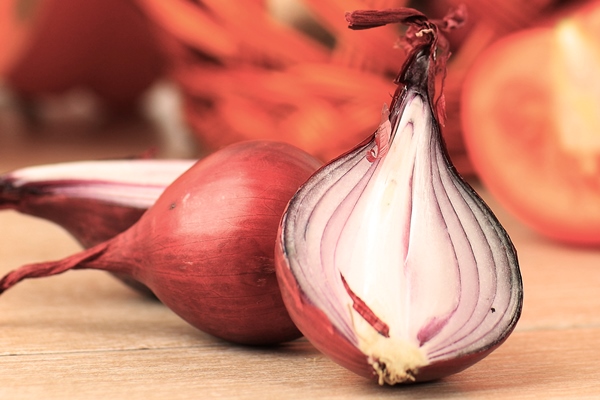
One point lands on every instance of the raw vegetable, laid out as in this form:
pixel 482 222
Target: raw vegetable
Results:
pixel 206 247
pixel 532 127
pixel 388 261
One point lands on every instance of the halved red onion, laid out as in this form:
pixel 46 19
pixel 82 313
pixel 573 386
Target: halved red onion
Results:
pixel 388 261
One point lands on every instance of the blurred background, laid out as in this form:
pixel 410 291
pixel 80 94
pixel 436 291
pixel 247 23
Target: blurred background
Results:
pixel 115 78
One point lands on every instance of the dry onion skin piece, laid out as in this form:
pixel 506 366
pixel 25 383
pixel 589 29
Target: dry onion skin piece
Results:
pixel 389 262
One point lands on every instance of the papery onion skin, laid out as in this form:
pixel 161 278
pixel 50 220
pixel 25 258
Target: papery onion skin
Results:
pixel 206 247
pixel 314 301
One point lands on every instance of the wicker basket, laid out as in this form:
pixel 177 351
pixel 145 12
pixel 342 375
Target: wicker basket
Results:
pixel 290 70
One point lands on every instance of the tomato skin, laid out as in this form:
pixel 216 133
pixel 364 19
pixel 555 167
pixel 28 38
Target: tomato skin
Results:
pixel 514 130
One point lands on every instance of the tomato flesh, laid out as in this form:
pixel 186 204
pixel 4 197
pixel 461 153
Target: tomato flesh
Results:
pixel 531 122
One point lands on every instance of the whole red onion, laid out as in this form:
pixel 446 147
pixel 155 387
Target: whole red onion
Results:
pixel 206 247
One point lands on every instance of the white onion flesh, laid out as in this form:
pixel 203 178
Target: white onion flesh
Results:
pixel 404 234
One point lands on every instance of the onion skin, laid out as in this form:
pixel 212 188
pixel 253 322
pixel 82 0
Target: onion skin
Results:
pixel 206 247
pixel 445 290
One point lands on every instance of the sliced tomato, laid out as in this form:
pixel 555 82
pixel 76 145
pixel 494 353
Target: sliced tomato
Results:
pixel 531 122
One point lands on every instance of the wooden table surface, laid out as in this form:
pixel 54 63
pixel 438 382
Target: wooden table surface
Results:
pixel 84 335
